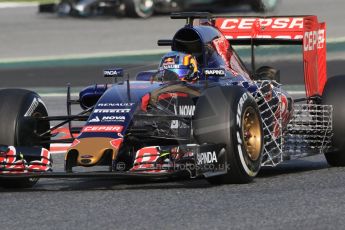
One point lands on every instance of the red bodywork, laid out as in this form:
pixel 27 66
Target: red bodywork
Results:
pixel 303 30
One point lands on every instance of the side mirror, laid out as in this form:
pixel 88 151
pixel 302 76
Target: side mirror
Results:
pixel 116 73
pixel 214 72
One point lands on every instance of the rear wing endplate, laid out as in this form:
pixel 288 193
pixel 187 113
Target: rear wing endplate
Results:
pixel 283 30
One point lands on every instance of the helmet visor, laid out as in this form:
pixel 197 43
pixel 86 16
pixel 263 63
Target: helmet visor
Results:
pixel 178 71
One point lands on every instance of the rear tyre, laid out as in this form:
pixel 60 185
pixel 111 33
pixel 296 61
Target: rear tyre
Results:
pixel 266 73
pixel 139 8
pixel 334 94
pixel 18 108
pixel 230 115
pixel 64 8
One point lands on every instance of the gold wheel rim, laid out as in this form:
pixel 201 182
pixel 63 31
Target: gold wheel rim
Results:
pixel 252 134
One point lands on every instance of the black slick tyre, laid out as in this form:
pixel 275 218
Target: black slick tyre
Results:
pixel 266 73
pixel 139 8
pixel 334 94
pixel 64 8
pixel 230 115
pixel 18 107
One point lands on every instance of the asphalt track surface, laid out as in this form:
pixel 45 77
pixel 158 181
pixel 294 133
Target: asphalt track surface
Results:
pixel 301 194
pixel 24 33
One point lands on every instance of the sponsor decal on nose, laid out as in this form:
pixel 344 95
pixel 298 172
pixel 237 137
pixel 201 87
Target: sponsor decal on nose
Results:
pixel 103 128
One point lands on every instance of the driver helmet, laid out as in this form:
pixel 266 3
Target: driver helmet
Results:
pixel 179 66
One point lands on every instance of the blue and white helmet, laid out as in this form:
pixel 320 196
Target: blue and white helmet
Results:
pixel 180 66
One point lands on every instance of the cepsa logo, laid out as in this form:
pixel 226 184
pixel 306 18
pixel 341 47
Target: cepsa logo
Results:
pixel 314 40
pixel 233 27
pixel 103 129
pixel 269 23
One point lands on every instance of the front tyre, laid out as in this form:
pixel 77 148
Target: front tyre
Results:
pixel 139 8
pixel 334 94
pixel 230 115
pixel 18 183
pixel 18 110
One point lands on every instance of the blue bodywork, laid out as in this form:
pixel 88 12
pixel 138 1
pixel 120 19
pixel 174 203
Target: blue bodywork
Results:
pixel 198 41
pixel 123 99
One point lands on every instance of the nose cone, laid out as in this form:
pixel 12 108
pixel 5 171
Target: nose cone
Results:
pixel 91 150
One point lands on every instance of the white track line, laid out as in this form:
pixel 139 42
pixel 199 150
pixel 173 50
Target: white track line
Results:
pixel 58 94
pixel 5 5
pixel 336 40
pixel 295 92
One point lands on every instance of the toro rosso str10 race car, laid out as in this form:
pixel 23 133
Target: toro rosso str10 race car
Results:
pixel 201 114
pixel 146 8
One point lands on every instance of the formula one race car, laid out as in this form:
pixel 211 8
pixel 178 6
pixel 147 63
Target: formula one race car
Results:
pixel 145 8
pixel 202 113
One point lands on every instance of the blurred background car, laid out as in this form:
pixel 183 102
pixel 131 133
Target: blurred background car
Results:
pixel 146 8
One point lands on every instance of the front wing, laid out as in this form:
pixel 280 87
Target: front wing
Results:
pixel 205 160
pixel 19 160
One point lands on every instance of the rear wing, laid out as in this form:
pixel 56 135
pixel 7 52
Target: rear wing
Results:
pixel 283 30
